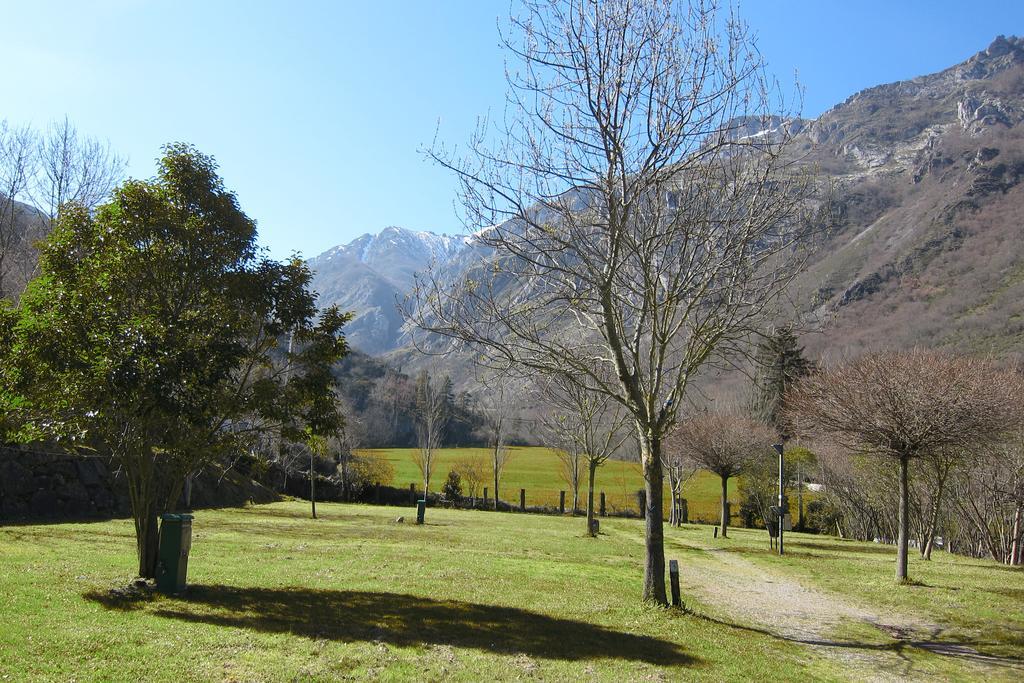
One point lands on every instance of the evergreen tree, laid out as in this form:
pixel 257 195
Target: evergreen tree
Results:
pixel 780 363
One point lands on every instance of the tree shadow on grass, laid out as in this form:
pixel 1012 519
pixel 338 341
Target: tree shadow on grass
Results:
pixel 400 620
pixel 900 643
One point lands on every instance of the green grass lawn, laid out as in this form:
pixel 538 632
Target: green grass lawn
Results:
pixel 537 470
pixel 275 595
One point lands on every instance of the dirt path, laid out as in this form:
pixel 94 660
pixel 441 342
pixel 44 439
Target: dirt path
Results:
pixel 748 596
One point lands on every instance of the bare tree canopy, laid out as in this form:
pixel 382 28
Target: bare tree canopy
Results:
pixel 73 169
pixel 499 414
pixel 588 426
pixel 40 173
pixel 431 420
pixel 906 405
pixel 722 443
pixel 634 226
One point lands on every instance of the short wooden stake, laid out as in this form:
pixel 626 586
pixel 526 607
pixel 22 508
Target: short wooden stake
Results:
pixel 561 502
pixel 485 496
pixel 603 510
pixel 641 502
pixel 673 575
pixel 412 493
pixel 522 500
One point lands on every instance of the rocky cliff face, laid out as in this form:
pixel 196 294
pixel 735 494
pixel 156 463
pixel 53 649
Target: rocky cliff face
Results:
pixel 924 244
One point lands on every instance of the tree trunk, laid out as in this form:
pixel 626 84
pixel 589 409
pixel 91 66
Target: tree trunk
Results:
pixel 1016 551
pixel 147 538
pixel 654 533
pixel 725 506
pixel 902 542
pixel 312 484
pixel 799 496
pixel 592 471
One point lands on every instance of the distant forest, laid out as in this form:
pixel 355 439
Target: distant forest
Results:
pixel 380 405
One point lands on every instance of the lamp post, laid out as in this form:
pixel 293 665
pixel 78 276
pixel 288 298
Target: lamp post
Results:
pixel 782 512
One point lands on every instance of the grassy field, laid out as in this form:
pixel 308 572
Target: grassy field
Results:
pixel 538 471
pixel 275 596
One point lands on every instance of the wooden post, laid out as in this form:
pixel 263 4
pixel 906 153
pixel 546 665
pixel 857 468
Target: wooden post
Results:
pixel 561 502
pixel 641 502
pixel 603 510
pixel 673 574
pixel 412 493
pixel 522 500
pixel 782 510
pixel 685 508
pixel 485 496
pixel 376 493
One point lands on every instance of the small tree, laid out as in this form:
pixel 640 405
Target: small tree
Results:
pixel 156 334
pixel 431 418
pixel 498 417
pixel 473 471
pixel 679 468
pixel 589 424
pixel 452 487
pixel 723 443
pixel 906 405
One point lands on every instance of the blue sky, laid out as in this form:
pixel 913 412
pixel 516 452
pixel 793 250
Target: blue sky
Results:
pixel 316 110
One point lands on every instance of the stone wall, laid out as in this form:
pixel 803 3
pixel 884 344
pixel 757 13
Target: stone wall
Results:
pixel 46 484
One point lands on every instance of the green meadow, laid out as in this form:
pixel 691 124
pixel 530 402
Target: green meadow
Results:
pixel 538 470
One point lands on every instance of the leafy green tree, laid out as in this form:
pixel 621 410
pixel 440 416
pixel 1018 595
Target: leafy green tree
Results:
pixel 156 333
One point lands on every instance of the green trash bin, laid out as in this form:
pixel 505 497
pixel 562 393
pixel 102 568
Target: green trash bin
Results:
pixel 172 560
pixel 421 510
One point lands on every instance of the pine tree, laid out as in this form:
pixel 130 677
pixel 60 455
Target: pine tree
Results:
pixel 780 363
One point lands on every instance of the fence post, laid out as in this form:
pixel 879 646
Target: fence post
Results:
pixel 412 493
pixel 561 502
pixel 603 509
pixel 641 502
pixel 673 574
pixel 485 496
pixel 522 500
pixel 685 510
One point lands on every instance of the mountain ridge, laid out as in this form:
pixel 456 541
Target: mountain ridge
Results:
pixel 926 244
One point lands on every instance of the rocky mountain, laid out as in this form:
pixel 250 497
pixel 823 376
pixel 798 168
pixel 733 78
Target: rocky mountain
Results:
pixel 924 245
pixel 371 274
pixel 927 245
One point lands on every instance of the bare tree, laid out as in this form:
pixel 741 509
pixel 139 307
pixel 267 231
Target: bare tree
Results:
pixel 431 420
pixel 723 443
pixel 74 168
pixel 989 497
pixel 679 468
pixel 590 424
pixel 498 418
pixel 560 427
pixel 907 405
pixel 473 470
pixel 17 168
pixel 634 227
